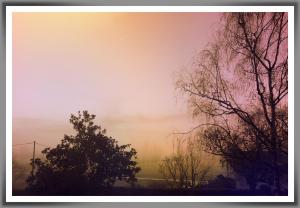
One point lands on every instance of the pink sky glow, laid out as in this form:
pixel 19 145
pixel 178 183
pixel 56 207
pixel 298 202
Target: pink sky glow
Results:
pixel 119 66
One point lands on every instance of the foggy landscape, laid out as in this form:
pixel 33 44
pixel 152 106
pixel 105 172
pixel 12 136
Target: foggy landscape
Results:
pixel 200 97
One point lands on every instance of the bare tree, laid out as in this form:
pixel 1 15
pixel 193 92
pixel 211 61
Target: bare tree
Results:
pixel 185 168
pixel 243 72
pixel 241 149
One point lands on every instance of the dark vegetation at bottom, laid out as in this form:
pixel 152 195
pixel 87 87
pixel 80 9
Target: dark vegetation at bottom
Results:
pixel 90 163
pixel 125 191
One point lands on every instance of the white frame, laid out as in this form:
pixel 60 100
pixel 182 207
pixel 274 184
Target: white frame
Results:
pixel 11 9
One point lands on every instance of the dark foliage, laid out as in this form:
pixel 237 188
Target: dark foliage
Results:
pixel 85 163
pixel 124 191
pixel 221 183
pixel 246 155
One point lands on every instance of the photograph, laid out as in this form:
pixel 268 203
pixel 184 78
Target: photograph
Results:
pixel 149 103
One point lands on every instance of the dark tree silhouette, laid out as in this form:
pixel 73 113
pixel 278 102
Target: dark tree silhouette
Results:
pixel 243 72
pixel 248 163
pixel 86 163
pixel 242 150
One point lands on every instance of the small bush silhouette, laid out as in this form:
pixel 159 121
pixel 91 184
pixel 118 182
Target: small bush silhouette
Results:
pixel 221 182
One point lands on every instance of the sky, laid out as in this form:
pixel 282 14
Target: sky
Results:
pixel 121 67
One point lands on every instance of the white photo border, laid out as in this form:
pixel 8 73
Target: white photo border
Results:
pixel 11 9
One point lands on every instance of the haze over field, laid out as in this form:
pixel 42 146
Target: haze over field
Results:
pixel 119 66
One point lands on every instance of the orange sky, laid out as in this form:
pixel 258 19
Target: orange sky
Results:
pixel 119 66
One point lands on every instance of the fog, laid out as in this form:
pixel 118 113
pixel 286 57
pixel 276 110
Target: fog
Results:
pixel 119 66
pixel 151 137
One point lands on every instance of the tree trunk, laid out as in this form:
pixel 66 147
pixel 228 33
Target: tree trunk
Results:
pixel 274 142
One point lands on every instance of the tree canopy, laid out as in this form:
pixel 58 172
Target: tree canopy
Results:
pixel 84 163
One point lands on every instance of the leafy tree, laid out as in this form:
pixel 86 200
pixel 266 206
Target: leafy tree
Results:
pixel 244 71
pixel 84 163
